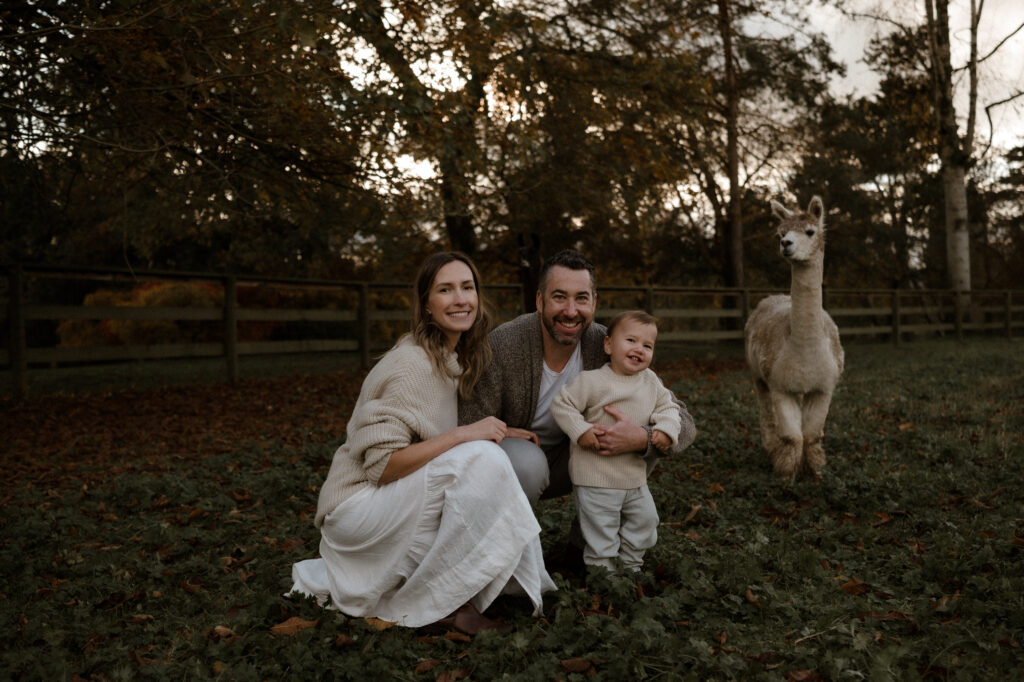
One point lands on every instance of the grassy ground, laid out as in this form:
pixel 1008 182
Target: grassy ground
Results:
pixel 165 555
pixel 151 374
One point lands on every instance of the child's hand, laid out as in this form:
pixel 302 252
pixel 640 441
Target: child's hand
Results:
pixel 589 440
pixel 660 440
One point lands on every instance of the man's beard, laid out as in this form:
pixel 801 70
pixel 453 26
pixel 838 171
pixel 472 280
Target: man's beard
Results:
pixel 560 338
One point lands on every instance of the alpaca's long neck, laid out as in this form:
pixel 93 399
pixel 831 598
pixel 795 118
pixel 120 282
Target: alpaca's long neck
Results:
pixel 805 294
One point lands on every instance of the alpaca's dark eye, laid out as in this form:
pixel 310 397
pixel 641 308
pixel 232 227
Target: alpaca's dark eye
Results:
pixel 809 233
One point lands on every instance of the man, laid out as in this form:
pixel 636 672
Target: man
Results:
pixel 534 356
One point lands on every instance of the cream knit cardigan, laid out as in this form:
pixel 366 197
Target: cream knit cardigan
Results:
pixel 404 399
pixel 642 397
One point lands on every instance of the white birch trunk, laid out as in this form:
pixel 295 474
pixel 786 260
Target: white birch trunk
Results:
pixel 958 248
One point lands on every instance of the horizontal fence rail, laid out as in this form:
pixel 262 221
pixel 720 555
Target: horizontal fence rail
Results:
pixel 139 315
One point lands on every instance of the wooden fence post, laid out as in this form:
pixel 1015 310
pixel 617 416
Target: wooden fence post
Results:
pixel 231 327
pixel 364 325
pixel 896 317
pixel 1009 314
pixel 744 307
pixel 16 334
pixel 649 300
pixel 958 314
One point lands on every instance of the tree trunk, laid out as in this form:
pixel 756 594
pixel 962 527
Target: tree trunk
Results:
pixel 958 244
pixel 953 152
pixel 529 269
pixel 457 160
pixel 734 219
pixel 457 221
pixel 454 116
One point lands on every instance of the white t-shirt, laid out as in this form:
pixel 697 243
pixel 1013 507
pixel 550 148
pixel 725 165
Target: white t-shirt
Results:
pixel 550 382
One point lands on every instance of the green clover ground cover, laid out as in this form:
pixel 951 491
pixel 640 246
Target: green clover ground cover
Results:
pixel 906 561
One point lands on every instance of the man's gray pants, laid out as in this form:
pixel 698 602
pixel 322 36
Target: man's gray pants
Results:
pixel 542 474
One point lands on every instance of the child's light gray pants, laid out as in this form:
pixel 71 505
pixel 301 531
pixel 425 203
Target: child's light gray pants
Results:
pixel 616 523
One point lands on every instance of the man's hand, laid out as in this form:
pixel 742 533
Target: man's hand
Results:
pixel 589 440
pixel 621 437
pixel 515 432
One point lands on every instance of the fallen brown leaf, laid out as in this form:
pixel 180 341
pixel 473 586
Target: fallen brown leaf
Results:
pixel 854 587
pixel 289 545
pixel 883 519
pixel 192 585
pixel 576 665
pixel 225 633
pixel 292 626
pixel 426 666
pixel 378 624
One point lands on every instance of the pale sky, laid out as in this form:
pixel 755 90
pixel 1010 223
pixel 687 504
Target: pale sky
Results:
pixel 1000 76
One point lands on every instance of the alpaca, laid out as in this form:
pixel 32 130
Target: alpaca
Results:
pixel 793 349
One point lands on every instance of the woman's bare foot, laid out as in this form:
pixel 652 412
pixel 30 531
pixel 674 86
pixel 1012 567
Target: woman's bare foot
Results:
pixel 470 621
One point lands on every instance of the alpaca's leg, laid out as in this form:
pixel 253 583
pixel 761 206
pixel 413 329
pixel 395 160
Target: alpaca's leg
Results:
pixel 788 451
pixel 769 438
pixel 814 413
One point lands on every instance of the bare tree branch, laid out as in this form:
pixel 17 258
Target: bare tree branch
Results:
pixel 1001 43
pixel 880 19
pixel 988 115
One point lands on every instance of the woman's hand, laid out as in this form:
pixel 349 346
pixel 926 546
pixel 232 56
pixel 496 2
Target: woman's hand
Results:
pixel 514 432
pixel 488 428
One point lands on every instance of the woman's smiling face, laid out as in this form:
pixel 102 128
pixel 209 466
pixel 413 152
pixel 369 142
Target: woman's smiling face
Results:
pixel 452 303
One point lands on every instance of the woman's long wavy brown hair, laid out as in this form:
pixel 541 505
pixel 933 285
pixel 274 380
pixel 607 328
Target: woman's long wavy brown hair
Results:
pixel 473 348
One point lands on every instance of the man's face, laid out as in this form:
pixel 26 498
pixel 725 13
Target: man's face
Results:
pixel 567 304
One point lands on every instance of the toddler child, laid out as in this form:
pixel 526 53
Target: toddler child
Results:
pixel 615 507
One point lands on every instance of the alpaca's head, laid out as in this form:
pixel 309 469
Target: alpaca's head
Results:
pixel 801 233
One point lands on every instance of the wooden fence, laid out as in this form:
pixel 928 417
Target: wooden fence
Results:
pixel 363 317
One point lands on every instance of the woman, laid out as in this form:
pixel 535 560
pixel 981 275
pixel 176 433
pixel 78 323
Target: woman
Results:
pixel 422 520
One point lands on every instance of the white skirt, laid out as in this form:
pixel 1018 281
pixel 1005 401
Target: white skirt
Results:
pixel 457 530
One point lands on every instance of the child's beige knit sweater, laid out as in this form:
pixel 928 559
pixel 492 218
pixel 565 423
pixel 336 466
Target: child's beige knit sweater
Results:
pixel 642 397
pixel 404 399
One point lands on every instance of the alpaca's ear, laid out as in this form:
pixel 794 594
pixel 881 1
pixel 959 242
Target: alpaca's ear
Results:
pixel 780 211
pixel 816 210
